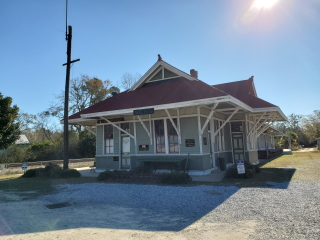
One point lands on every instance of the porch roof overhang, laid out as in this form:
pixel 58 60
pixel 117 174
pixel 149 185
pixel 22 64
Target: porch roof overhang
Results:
pixel 272 131
pixel 90 119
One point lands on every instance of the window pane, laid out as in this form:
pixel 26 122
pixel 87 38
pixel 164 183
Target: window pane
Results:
pixel 176 148
pixel 240 143
pixel 111 149
pixel 159 131
pixel 163 149
pixel 170 139
pixel 235 143
pixel 175 139
pixel 171 148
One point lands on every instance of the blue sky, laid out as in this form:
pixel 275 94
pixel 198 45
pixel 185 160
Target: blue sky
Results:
pixel 224 40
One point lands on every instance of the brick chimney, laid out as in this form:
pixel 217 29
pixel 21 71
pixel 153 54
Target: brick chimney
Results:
pixel 194 73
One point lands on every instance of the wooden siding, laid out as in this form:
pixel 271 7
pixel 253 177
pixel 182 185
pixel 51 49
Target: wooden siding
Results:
pixel 99 140
pixel 107 163
pixel 132 144
pixel 189 130
pixel 116 145
pixel 205 148
pixel 143 138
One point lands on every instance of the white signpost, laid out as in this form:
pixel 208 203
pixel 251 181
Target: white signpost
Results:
pixel 24 166
pixel 240 167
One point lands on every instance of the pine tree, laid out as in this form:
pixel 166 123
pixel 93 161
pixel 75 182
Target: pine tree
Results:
pixel 9 129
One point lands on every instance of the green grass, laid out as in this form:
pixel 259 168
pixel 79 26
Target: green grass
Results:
pixel 300 166
pixel 307 165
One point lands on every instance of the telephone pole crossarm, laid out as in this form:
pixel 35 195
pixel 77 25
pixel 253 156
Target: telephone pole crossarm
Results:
pixel 77 60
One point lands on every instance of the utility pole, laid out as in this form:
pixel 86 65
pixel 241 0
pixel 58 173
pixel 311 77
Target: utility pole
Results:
pixel 66 92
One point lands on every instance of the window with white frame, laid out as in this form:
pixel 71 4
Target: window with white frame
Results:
pixel 108 139
pixel 172 137
pixel 161 130
pixel 219 139
pixel 159 134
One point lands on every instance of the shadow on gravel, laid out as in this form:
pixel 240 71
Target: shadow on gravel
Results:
pixel 128 206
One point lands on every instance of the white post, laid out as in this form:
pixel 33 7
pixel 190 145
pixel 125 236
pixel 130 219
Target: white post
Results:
pixel 135 133
pixel 199 130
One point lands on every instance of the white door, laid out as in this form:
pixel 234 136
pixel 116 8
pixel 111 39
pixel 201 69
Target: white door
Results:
pixel 125 156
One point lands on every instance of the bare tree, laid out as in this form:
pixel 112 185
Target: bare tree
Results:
pixel 84 92
pixel 129 79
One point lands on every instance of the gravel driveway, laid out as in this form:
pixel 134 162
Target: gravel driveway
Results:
pixel 128 211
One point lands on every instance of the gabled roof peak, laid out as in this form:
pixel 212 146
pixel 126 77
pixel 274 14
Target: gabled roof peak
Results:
pixel 161 70
pixel 237 88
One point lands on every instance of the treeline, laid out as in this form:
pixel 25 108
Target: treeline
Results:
pixel 44 131
pixel 303 129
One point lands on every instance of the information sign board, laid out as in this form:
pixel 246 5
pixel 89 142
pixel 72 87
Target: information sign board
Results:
pixel 240 167
pixel 24 166
pixel 143 111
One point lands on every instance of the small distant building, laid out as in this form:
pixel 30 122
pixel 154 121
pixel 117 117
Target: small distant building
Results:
pixel 22 142
pixel 318 143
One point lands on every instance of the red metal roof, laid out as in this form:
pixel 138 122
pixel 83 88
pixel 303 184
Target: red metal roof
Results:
pixel 243 90
pixel 173 91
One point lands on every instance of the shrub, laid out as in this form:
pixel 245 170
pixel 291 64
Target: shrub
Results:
pixel 87 144
pixel 142 170
pixel 70 173
pixel 231 172
pixel 30 173
pixel 52 167
pixel 175 178
pixel 14 154
pixel 250 170
pixel 52 171
pixel 106 175
pixel 141 177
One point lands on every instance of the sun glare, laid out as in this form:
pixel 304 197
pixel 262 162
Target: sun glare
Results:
pixel 263 3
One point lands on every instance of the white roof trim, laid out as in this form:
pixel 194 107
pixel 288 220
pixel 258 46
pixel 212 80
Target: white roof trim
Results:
pixel 154 67
pixel 270 109
pixel 206 101
pixel 160 107
pixel 76 120
pixel 254 89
